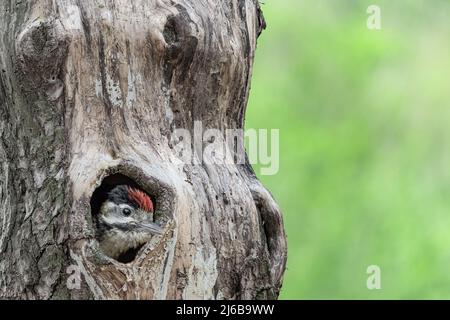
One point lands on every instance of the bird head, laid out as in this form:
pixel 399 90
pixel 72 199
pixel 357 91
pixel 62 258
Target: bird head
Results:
pixel 125 220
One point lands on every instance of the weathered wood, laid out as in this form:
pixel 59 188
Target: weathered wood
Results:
pixel 89 89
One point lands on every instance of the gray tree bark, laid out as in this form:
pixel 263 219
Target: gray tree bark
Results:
pixel 91 93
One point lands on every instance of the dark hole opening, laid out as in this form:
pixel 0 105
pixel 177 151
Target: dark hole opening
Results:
pixel 130 255
pixel 100 195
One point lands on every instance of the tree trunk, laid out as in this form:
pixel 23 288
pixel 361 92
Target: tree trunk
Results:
pixel 92 94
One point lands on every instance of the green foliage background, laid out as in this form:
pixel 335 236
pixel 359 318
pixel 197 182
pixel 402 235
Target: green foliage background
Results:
pixel 364 123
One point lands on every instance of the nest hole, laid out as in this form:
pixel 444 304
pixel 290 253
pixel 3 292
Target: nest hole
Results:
pixel 100 195
pixel 130 255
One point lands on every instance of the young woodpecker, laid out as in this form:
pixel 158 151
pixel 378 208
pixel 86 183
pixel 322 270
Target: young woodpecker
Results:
pixel 125 221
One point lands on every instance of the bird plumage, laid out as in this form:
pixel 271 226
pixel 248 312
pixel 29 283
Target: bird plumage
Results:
pixel 125 221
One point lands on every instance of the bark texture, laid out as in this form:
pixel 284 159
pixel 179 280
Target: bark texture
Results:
pixel 93 90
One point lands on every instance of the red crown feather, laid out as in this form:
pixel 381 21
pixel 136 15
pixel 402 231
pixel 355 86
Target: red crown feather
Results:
pixel 141 198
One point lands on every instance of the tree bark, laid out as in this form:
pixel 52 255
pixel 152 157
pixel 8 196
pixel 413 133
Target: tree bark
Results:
pixel 91 93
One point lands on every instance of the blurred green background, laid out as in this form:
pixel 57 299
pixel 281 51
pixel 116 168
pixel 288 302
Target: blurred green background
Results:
pixel 364 123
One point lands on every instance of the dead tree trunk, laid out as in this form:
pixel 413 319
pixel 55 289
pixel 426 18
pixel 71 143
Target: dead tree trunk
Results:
pixel 91 93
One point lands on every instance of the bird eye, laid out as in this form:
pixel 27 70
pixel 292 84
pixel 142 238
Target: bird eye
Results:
pixel 126 211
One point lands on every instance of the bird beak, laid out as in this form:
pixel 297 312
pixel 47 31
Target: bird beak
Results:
pixel 151 228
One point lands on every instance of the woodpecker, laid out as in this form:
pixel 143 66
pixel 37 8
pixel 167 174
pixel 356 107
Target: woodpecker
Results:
pixel 125 221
